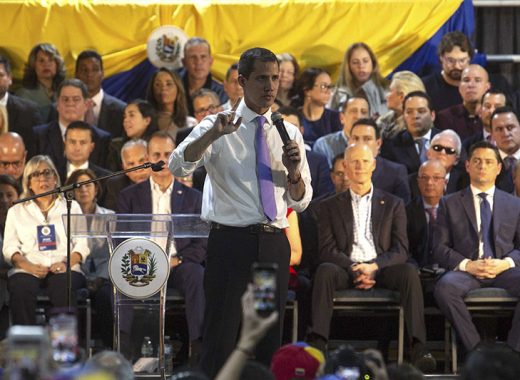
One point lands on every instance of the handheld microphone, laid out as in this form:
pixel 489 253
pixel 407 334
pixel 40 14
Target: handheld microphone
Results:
pixel 157 167
pixel 277 119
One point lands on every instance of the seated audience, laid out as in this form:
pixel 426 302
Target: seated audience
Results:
pixel 162 195
pixel 139 122
pixel 205 102
pixel 104 111
pixel 166 94
pixel 410 147
pixel 133 153
pixel 314 90
pixel 12 155
pixel 71 106
pixel 232 88
pixel 359 75
pixel 463 118
pixel 44 71
pixel 353 255
pixel 289 71
pixel 35 245
pixel 20 115
pixel 455 53
pixel 331 145
pixel 421 212
pixel 477 237
pixel 388 176
pixel 196 72
pixel 392 122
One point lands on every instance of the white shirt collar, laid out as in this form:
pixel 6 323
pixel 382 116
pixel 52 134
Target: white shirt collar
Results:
pixel 516 155
pixel 3 101
pixel 71 168
pixel 249 116
pixel 357 197
pixel 63 128
pixel 98 99
pixel 490 192
pixel 157 189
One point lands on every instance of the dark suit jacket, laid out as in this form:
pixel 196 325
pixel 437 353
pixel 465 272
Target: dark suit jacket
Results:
pixel 113 187
pixel 98 171
pixel 137 199
pixel 48 141
pixel 22 116
pixel 457 118
pixel 392 178
pixel 467 143
pixel 320 174
pixel 458 180
pixel 402 149
pixel 336 230
pixel 456 230
pixel 111 115
pixel 418 232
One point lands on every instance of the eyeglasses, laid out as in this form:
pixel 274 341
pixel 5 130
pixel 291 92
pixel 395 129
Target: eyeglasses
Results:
pixel 426 178
pixel 210 109
pixel 46 173
pixel 14 164
pixel 453 61
pixel 324 87
pixel 339 174
pixel 440 148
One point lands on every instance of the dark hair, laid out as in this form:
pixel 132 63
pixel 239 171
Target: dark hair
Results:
pixel 337 157
pixel 452 39
pixel 308 80
pixel 246 63
pixel 493 363
pixel 420 94
pixel 85 54
pixel 193 41
pixel 180 104
pixel 499 111
pixel 232 68
pixel 287 110
pixel 7 65
pixel 30 80
pixel 73 82
pixel 495 91
pixel 146 110
pixel 345 356
pixel 345 76
pixel 484 145
pixel 80 125
pixel 88 172
pixel 369 122
pixel 343 106
pixel 8 180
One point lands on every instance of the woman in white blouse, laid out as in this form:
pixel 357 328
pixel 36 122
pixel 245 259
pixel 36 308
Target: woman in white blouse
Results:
pixel 35 244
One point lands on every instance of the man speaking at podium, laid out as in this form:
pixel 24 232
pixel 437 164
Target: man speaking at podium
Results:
pixel 252 178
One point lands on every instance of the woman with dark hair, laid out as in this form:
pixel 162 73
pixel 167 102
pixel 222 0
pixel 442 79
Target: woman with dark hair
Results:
pixel 35 244
pixel 314 88
pixel 359 76
pixel 165 93
pixel 139 122
pixel 289 71
pixel 43 73
pixel 9 193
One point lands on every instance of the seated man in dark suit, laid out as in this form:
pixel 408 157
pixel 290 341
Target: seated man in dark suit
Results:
pixel 22 114
pixel 409 147
pixel 71 106
pixel 133 153
pixel 477 239
pixel 162 195
pixel 105 111
pixel 363 244
pixel 421 212
pixel 463 118
pixel 78 146
pixel 445 147
pixel 388 176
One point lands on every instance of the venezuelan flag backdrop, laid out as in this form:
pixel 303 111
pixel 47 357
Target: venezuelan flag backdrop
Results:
pixel 317 32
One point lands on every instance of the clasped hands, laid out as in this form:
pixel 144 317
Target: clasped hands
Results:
pixel 487 268
pixel 364 275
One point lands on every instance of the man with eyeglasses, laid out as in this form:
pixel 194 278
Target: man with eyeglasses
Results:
pixel 12 155
pixel 455 53
pixel 205 102
pixel 463 118
pixel 446 148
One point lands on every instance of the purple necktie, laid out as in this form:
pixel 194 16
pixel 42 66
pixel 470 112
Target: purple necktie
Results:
pixel 263 171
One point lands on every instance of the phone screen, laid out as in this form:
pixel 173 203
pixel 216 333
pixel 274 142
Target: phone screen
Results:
pixel 64 339
pixel 265 292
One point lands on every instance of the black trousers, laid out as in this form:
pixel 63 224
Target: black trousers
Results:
pixel 24 288
pixel 230 256
pixel 403 278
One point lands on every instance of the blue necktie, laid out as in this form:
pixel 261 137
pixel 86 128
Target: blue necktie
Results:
pixel 421 143
pixel 263 170
pixel 485 226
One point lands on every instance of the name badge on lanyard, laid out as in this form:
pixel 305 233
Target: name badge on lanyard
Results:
pixel 46 237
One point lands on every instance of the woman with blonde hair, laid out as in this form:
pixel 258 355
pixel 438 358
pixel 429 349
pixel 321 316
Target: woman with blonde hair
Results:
pixel 403 82
pixel 359 76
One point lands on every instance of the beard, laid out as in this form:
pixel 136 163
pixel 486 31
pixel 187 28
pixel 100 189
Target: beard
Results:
pixel 454 74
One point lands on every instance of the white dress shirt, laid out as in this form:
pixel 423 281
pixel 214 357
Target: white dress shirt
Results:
pixel 161 204
pixel 20 234
pixel 363 248
pixel 71 168
pixel 231 165
pixel 97 99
